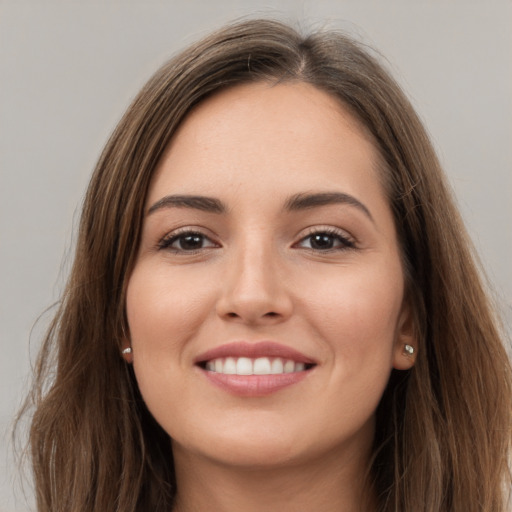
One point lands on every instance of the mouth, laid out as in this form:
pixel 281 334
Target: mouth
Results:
pixel 257 366
pixel 254 369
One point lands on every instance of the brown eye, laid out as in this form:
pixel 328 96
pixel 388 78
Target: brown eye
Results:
pixel 189 242
pixel 322 241
pixel 325 241
pixel 186 242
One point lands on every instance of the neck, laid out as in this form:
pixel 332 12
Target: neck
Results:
pixel 327 485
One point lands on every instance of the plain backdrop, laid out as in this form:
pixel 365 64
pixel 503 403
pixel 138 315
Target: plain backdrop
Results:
pixel 68 70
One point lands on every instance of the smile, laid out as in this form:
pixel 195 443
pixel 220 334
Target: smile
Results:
pixel 254 369
pixel 259 366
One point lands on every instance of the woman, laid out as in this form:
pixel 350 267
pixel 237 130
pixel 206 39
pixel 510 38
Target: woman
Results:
pixel 273 303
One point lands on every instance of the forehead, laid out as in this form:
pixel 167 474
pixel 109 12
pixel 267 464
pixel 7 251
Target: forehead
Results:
pixel 287 135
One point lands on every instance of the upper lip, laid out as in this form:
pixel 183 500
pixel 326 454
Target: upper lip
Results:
pixel 253 350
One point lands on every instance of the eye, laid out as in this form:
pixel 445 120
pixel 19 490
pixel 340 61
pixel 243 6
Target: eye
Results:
pixel 186 241
pixel 326 240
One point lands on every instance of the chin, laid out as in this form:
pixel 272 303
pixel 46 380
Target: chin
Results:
pixel 250 455
pixel 265 445
pixel 251 445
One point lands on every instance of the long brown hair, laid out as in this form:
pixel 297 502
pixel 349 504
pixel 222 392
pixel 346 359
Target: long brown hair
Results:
pixel 443 433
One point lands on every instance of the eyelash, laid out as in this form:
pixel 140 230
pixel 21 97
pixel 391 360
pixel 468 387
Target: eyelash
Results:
pixel 167 242
pixel 345 242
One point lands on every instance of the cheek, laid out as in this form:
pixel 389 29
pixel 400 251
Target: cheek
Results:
pixel 357 310
pixel 360 323
pixel 164 310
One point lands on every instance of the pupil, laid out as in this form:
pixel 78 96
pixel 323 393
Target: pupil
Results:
pixel 322 241
pixel 191 242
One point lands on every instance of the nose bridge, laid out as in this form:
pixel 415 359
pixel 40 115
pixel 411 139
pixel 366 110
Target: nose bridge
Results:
pixel 254 268
pixel 253 290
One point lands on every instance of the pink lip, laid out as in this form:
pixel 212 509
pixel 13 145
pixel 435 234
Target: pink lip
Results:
pixel 253 385
pixel 254 350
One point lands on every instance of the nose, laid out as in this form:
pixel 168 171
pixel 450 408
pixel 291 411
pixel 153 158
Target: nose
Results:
pixel 255 290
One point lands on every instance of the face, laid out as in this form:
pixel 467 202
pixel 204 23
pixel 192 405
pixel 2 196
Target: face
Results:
pixel 266 306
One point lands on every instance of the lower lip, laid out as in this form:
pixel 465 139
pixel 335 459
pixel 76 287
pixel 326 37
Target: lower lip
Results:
pixel 254 385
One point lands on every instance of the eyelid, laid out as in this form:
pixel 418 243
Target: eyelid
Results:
pixel 347 240
pixel 168 239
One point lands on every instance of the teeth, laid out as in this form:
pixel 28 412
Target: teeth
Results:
pixel 244 366
pixel 229 366
pixel 277 366
pixel 289 366
pixel 299 367
pixel 259 366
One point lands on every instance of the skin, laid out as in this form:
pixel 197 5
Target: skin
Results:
pixel 256 275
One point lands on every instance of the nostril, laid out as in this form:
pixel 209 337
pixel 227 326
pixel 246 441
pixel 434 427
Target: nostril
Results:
pixel 271 314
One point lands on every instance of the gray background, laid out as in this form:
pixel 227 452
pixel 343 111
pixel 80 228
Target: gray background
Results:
pixel 68 69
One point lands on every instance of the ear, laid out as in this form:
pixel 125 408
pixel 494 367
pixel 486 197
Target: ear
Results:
pixel 406 343
pixel 126 350
pixel 126 347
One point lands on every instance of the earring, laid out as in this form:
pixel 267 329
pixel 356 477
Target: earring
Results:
pixel 409 349
pixel 127 351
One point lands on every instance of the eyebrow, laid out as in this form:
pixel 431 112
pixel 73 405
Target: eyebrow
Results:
pixel 305 201
pixel 297 202
pixel 205 204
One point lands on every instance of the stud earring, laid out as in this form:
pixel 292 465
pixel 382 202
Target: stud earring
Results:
pixel 409 349
pixel 127 351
